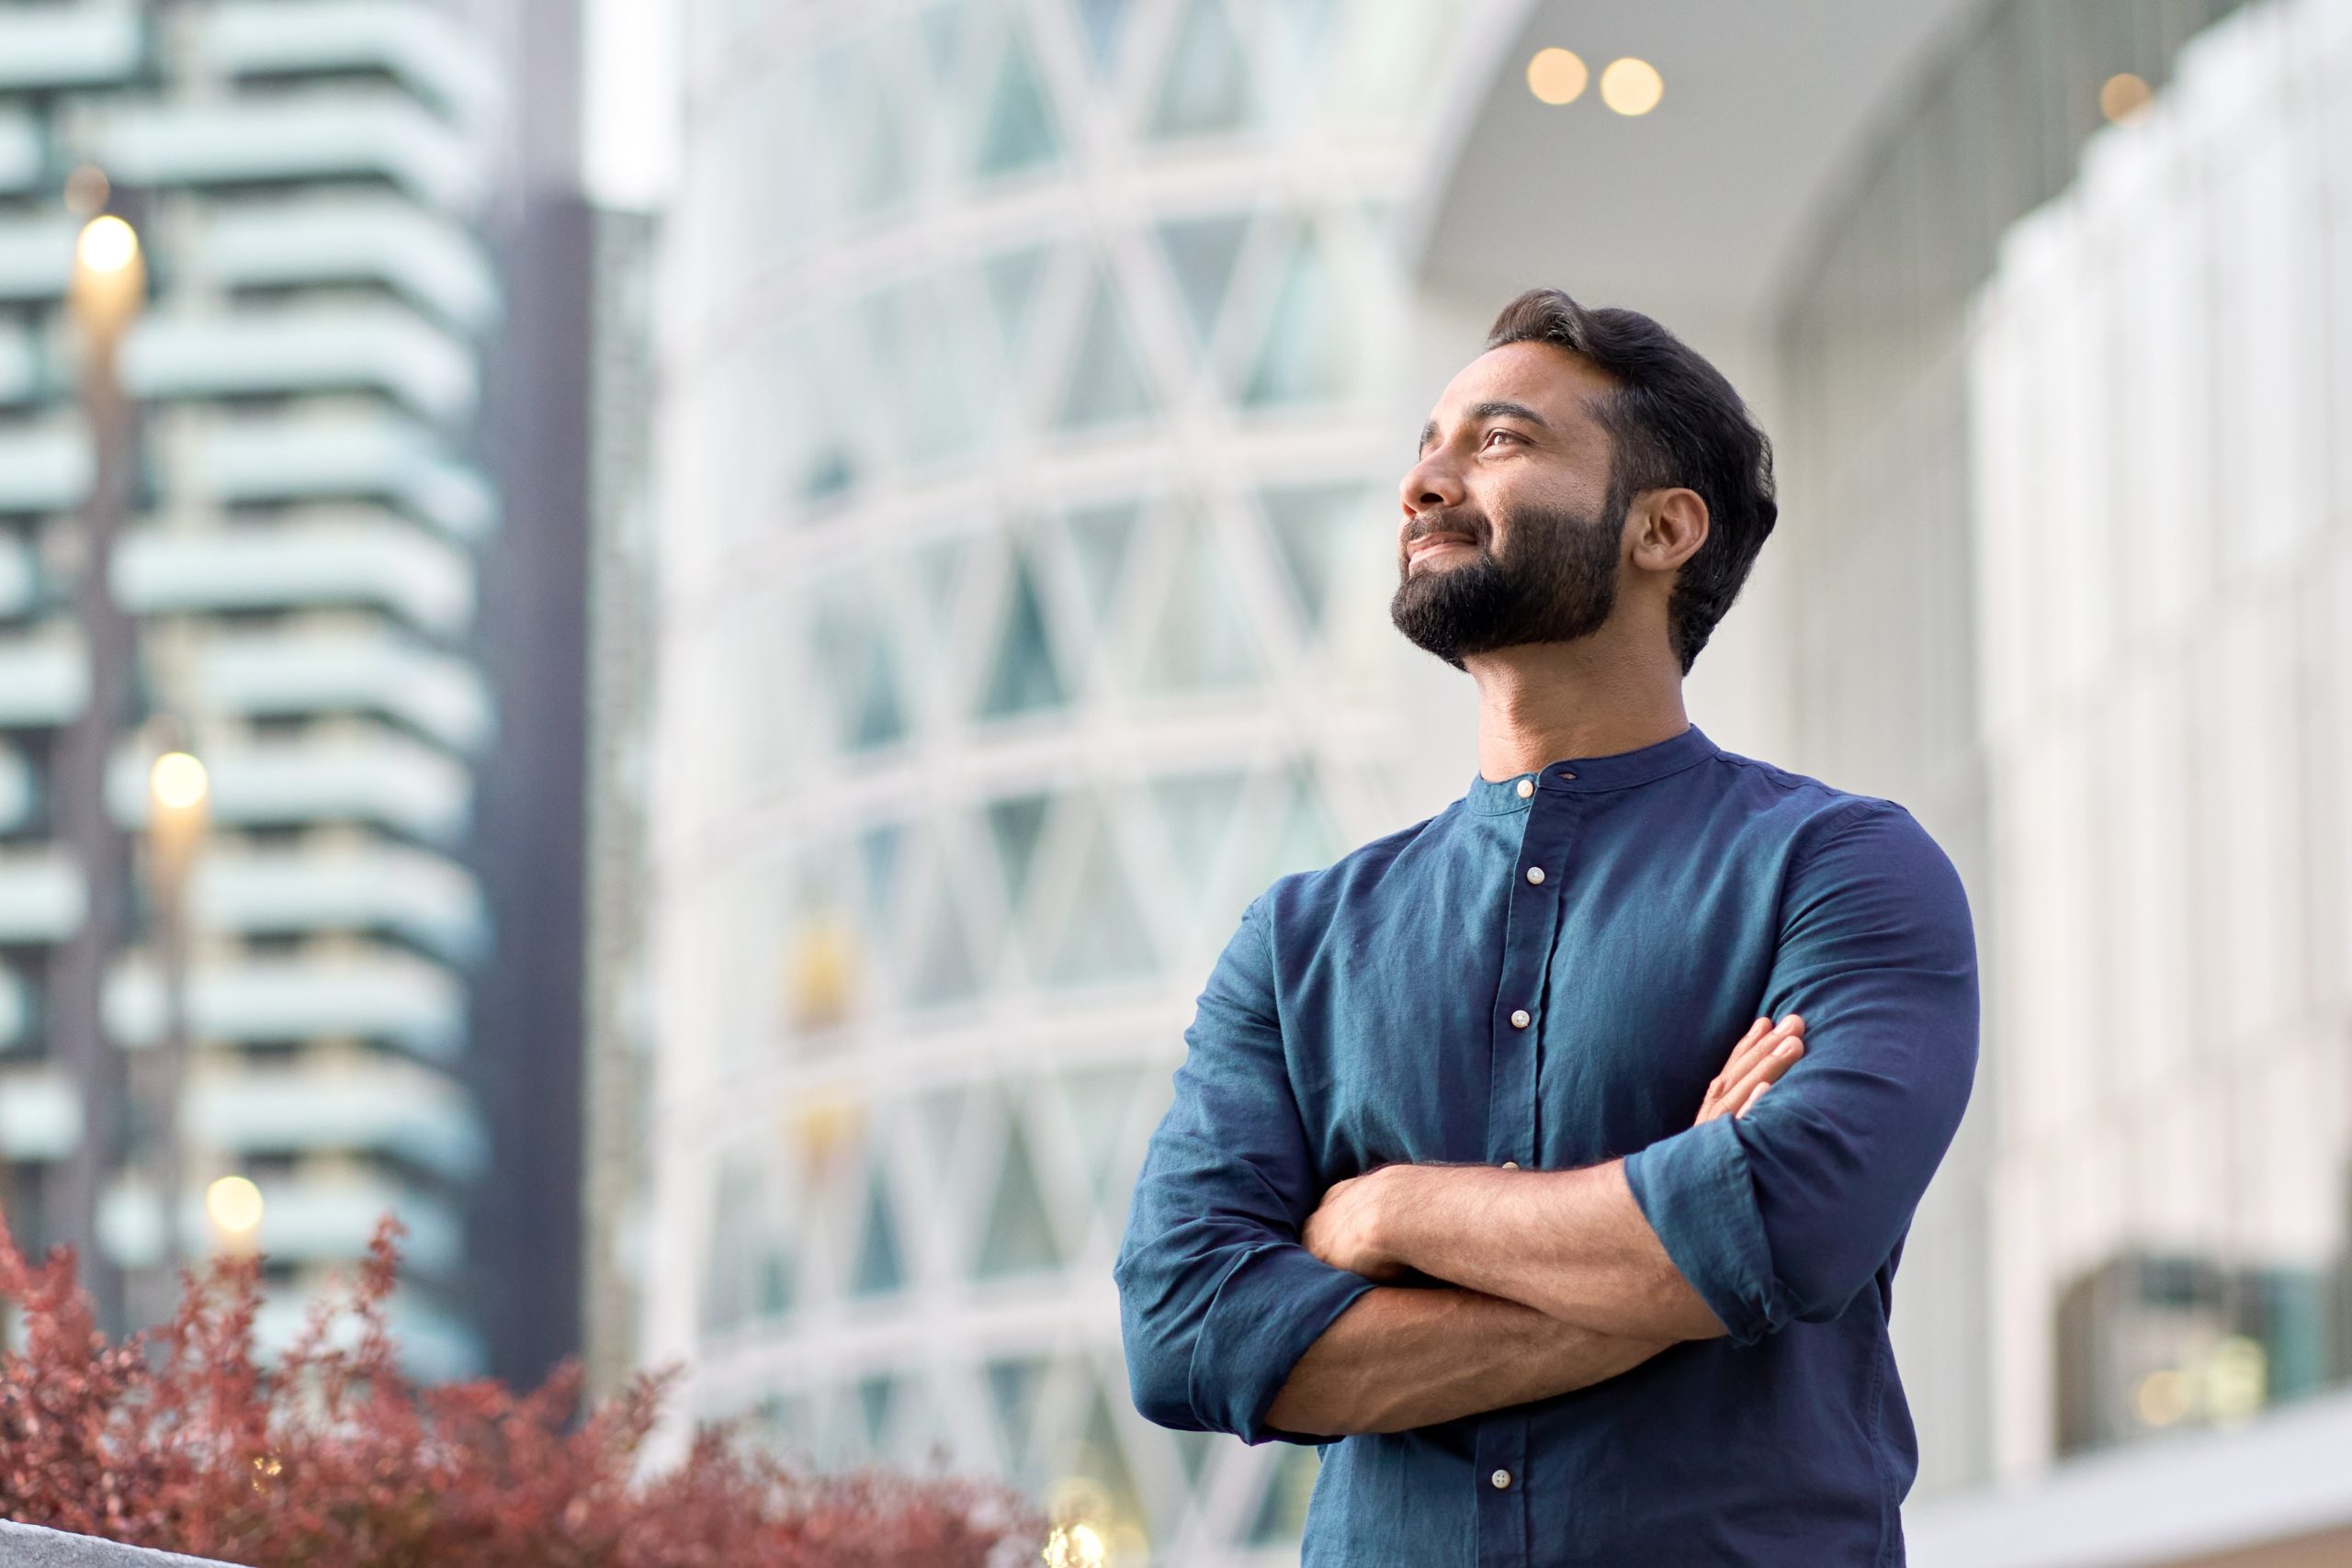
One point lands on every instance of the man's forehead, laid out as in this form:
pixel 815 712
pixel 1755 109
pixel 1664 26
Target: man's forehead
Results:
pixel 1555 382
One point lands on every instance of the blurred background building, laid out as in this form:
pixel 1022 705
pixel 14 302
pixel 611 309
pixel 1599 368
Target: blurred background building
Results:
pixel 1032 379
pixel 333 454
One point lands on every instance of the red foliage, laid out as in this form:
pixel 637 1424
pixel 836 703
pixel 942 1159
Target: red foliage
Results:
pixel 180 1438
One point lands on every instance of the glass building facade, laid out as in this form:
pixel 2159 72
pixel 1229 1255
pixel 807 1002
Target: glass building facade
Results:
pixel 1024 556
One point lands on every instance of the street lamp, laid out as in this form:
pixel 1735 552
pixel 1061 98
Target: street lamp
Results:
pixel 179 795
pixel 107 288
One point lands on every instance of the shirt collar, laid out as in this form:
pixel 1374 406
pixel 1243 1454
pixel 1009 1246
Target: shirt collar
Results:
pixel 1620 769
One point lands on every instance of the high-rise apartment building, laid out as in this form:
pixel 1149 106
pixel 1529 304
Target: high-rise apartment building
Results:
pixel 321 190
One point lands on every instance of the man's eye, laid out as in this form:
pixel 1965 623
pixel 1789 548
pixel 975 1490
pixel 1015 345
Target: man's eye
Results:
pixel 1492 433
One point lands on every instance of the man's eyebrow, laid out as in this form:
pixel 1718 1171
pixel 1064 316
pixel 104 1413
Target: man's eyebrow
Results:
pixel 1491 409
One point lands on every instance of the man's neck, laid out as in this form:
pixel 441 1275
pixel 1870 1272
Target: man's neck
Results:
pixel 1541 702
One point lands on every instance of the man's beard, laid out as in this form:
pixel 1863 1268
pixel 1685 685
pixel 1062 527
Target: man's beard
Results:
pixel 1555 581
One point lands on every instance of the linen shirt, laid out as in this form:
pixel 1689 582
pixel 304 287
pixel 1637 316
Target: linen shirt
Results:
pixel 1550 971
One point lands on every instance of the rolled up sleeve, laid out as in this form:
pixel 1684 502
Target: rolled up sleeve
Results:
pixel 1217 1300
pixel 1785 1213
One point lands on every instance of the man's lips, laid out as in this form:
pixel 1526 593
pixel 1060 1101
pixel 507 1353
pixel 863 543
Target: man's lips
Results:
pixel 1429 542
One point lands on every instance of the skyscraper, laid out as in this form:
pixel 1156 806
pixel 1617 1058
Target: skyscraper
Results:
pixel 317 187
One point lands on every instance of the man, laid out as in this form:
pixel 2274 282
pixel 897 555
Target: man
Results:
pixel 1555 1155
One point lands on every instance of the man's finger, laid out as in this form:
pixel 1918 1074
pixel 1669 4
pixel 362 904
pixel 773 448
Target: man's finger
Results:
pixel 1753 1096
pixel 1767 1068
pixel 1754 1046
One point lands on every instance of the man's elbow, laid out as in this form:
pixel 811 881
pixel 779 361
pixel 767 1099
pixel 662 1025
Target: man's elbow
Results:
pixel 1159 1382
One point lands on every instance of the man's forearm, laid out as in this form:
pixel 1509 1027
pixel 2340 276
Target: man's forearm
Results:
pixel 1571 1243
pixel 1399 1359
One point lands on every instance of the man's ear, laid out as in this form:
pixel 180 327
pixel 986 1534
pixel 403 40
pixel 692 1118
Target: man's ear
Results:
pixel 1670 525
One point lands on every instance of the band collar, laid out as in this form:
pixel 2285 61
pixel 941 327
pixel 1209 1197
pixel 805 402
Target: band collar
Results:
pixel 1620 769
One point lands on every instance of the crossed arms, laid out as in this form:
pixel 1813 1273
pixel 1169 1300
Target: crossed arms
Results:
pixel 1251 1300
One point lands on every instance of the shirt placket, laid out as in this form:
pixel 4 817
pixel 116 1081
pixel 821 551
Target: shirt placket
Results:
pixel 1530 925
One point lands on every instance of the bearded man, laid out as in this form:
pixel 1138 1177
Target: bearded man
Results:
pixel 1548 1162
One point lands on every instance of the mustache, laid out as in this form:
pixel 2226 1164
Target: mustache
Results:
pixel 1469 524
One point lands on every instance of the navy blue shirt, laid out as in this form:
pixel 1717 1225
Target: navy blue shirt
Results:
pixel 1362 1015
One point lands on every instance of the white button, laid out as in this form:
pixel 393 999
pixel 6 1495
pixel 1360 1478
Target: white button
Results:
pixel 1526 788
pixel 1502 1479
pixel 1521 1020
pixel 1510 1165
pixel 1535 874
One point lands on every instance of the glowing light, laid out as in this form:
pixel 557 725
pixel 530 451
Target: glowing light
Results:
pixel 178 782
pixel 2125 98
pixel 1632 86
pixel 1075 1546
pixel 1557 77
pixel 235 1204
pixel 85 190
pixel 107 244
pixel 2237 1379
pixel 2162 1398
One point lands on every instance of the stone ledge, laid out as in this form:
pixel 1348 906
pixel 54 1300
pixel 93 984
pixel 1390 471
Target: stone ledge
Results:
pixel 30 1546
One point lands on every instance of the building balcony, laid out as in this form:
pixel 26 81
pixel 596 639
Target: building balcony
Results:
pixel 377 347
pixel 381 239
pixel 279 674
pixel 19 790
pixel 36 256
pixel 44 679
pixel 45 468
pixel 340 134
pixel 306 1219
pixel 20 360
pixel 24 152
pixel 69 46
pixel 363 773
pixel 383 1106
pixel 417 44
pixel 376 455
pixel 40 1113
pixel 415 893
pixel 370 560
pixel 376 993
pixel 42 896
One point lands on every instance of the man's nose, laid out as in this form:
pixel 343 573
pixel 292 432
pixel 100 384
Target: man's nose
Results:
pixel 1430 485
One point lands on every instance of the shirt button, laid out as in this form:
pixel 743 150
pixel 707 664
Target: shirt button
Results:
pixel 1510 1165
pixel 1502 1479
pixel 1521 1020
pixel 1566 775
pixel 1526 788
pixel 1535 874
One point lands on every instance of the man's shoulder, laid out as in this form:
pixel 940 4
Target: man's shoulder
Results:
pixel 1803 809
pixel 1319 891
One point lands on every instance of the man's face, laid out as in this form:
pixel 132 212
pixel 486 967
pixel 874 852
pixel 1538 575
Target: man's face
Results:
pixel 1511 529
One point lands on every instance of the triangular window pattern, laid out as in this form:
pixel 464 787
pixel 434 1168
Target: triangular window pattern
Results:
pixel 943 37
pixel 1013 1391
pixel 1099 538
pixel 1103 1456
pixel 1016 824
pixel 858 669
pixel 1206 88
pixel 1020 130
pixel 1311 526
pixel 1026 678
pixel 878 859
pixel 1106 382
pixel 1306 355
pixel 1104 23
pixel 1100 1099
pixel 1196 810
pixel 1202 641
pixel 1281 1511
pixel 1012 280
pixel 1019 1238
pixel 879 1270
pixel 1305 839
pixel 1104 937
pixel 1201 253
pixel 945 970
pixel 876 1397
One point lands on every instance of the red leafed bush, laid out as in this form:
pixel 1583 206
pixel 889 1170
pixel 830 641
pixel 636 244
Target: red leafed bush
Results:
pixel 180 1438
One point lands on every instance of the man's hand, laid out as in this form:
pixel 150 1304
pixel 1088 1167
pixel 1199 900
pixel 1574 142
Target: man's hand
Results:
pixel 1345 1228
pixel 1763 1054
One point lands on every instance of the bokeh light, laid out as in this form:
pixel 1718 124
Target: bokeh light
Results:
pixel 107 244
pixel 178 782
pixel 2125 98
pixel 235 1204
pixel 1632 86
pixel 1557 75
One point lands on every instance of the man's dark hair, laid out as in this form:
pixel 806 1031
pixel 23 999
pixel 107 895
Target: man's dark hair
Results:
pixel 1675 422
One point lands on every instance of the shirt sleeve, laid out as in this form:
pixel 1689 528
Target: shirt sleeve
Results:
pixel 1787 1212
pixel 1217 1300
